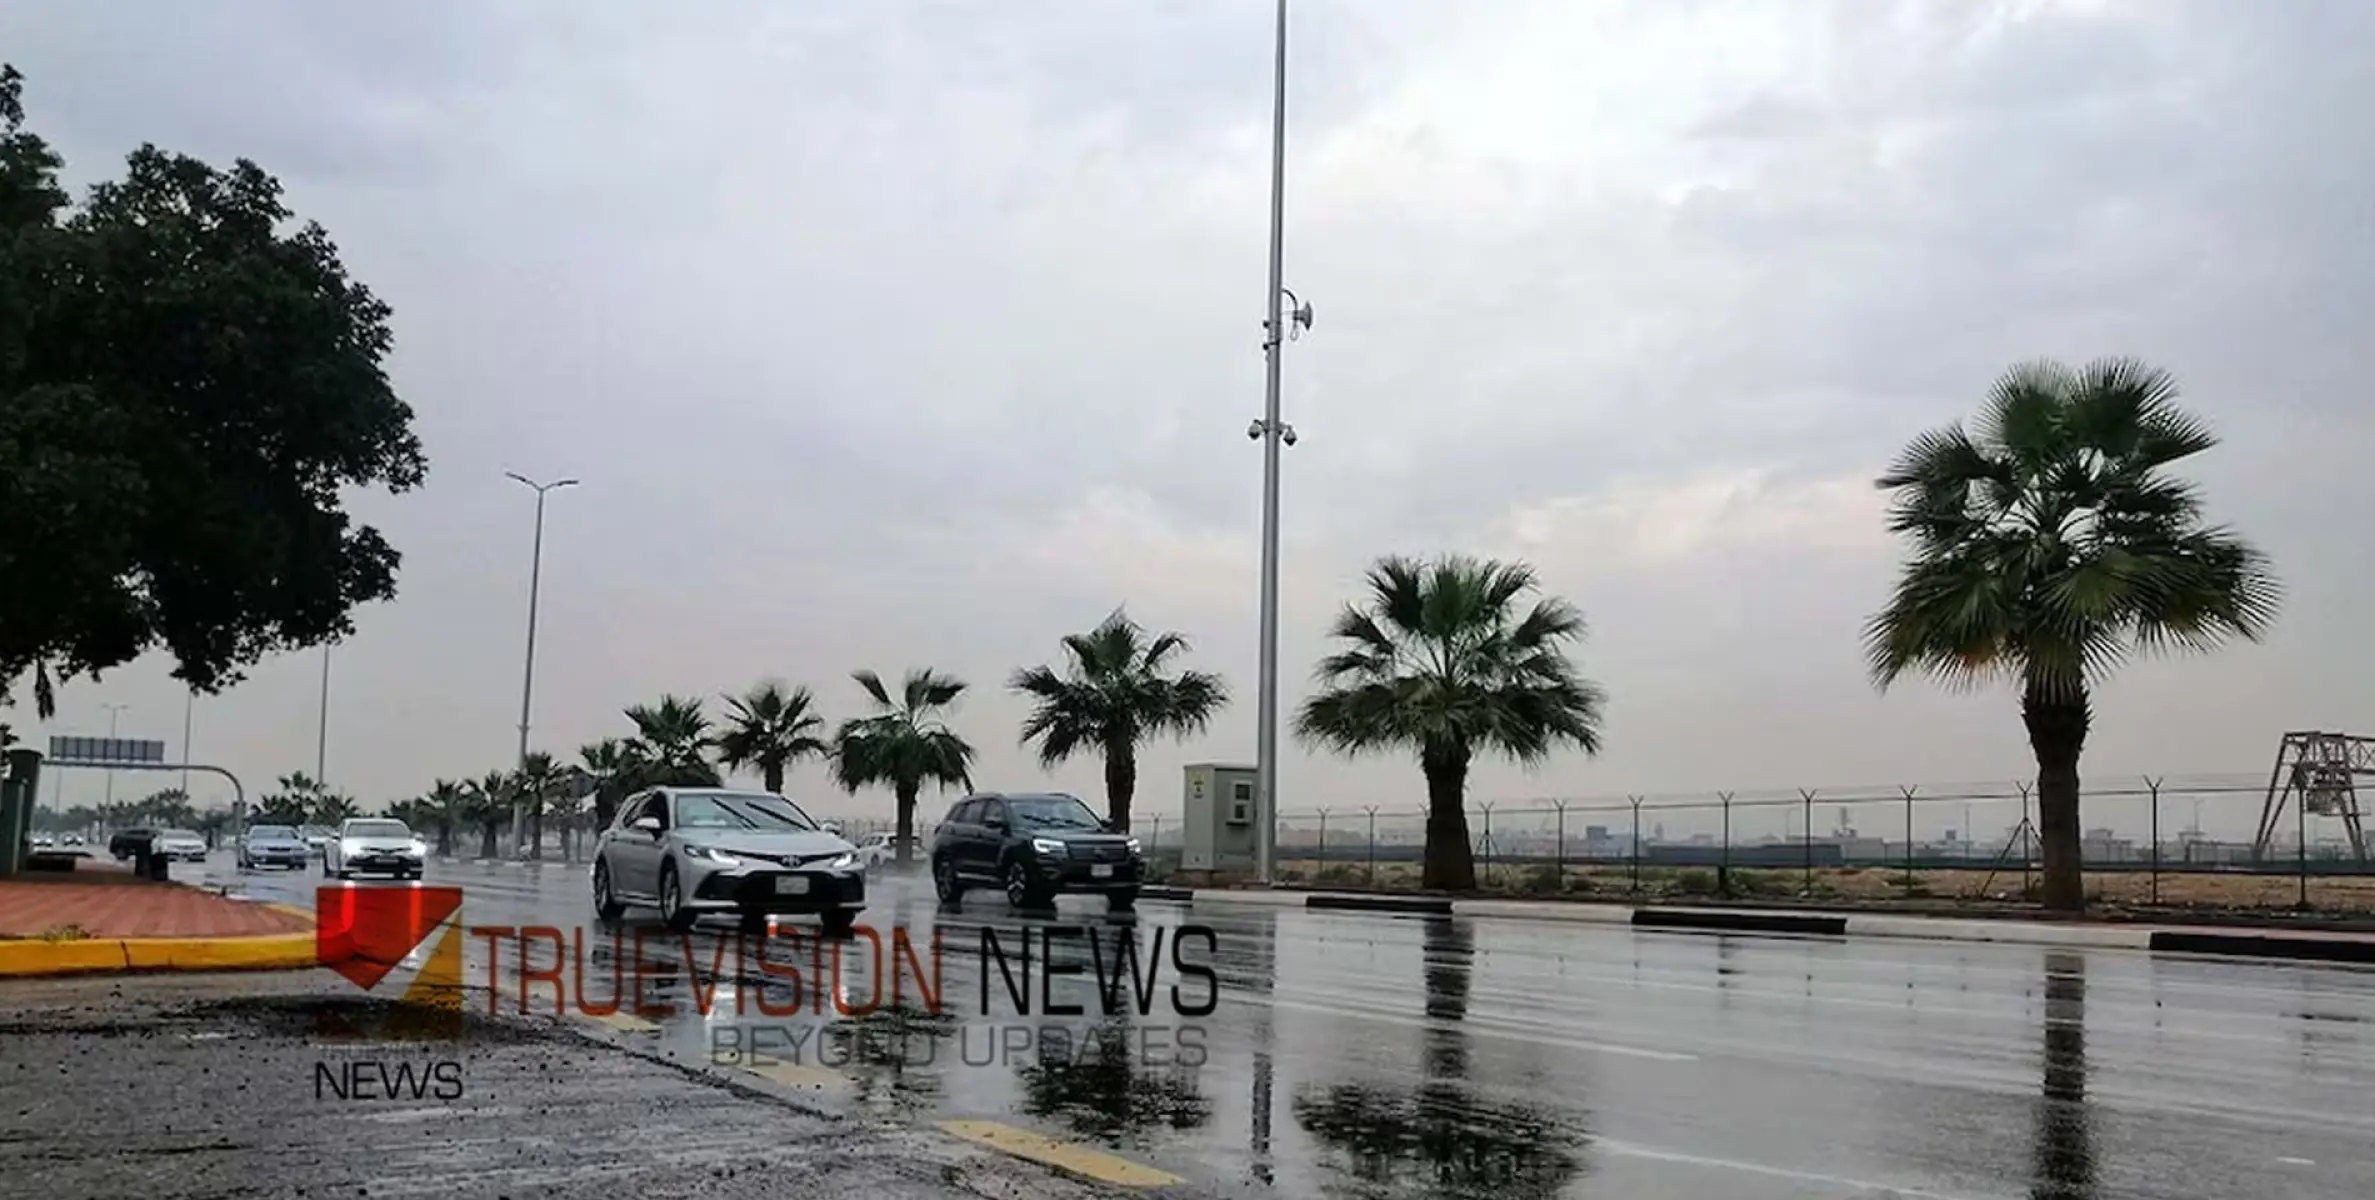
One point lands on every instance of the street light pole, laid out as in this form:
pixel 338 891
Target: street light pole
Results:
pixel 113 711
pixel 528 670
pixel 1272 432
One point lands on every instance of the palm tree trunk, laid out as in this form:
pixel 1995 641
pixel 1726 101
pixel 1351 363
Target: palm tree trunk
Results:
pixel 536 828
pixel 1121 783
pixel 773 772
pixel 605 806
pixel 2057 733
pixel 1451 862
pixel 906 837
pixel 445 837
pixel 487 832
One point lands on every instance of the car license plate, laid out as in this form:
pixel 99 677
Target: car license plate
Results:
pixel 1101 871
pixel 791 885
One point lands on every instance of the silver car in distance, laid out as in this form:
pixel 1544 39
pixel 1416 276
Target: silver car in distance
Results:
pixel 374 846
pixel 691 852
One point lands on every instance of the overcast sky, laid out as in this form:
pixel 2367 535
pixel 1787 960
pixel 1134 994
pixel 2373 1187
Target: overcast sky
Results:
pixel 888 334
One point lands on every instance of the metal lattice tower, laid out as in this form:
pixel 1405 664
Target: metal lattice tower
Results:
pixel 2319 772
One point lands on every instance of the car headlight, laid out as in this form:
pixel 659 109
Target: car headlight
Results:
pixel 712 854
pixel 420 849
pixel 345 848
pixel 847 860
pixel 1047 846
pixel 1134 846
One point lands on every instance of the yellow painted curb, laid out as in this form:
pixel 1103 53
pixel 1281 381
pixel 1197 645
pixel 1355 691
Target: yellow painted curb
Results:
pixel 91 956
pixel 1068 1157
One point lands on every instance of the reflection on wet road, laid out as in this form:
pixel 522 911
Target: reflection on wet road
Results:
pixel 1360 1055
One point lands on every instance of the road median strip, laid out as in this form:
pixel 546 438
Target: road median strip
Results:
pixel 1071 1158
pixel 36 956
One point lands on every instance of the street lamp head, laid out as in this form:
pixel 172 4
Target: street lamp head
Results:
pixel 519 477
pixel 565 483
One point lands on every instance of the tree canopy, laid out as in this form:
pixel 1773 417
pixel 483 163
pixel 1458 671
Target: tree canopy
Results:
pixel 189 381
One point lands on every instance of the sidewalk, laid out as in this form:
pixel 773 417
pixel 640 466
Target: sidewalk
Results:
pixel 2246 942
pixel 99 919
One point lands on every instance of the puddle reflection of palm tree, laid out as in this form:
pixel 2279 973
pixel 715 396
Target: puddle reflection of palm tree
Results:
pixel 1440 1139
pixel 1112 1081
pixel 2065 1157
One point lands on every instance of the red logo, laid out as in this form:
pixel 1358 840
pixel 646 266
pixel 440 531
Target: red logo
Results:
pixel 365 933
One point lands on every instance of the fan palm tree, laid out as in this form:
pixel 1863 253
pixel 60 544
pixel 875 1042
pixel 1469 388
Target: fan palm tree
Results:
pixel 443 807
pixel 2050 544
pixel 537 779
pixel 1113 694
pixel 292 803
pixel 1447 659
pixel 613 767
pixel 903 745
pixel 771 729
pixel 672 740
pixel 332 809
pixel 487 804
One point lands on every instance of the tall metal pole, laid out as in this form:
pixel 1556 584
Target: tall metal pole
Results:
pixel 1266 762
pixel 321 735
pixel 528 669
pixel 113 711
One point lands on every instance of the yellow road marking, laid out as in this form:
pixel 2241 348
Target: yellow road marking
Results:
pixel 1064 1156
pixel 623 1022
pixel 801 1075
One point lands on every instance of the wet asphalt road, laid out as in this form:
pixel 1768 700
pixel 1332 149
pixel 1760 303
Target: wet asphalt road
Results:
pixel 1361 1055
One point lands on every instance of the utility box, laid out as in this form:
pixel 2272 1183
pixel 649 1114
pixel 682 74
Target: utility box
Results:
pixel 1220 820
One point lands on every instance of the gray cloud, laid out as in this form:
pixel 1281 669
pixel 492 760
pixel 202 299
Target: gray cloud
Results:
pixel 898 333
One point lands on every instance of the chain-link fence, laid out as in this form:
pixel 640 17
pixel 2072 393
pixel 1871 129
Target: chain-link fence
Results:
pixel 2204 843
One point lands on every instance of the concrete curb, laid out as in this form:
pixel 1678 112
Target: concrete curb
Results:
pixel 2267 944
pixel 2263 945
pixel 30 957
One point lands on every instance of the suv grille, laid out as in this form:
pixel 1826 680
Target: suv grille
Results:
pixel 1098 852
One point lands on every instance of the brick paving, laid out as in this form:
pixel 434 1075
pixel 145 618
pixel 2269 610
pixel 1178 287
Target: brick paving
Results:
pixel 127 907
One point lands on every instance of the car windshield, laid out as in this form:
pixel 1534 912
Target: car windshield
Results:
pixel 378 829
pixel 271 833
pixel 181 835
pixel 1052 812
pixel 763 814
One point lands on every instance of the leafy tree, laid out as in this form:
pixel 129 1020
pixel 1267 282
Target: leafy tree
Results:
pixel 1113 694
pixel 771 729
pixel 2049 545
pixel 671 744
pixel 189 387
pixel 1447 660
pixel 903 745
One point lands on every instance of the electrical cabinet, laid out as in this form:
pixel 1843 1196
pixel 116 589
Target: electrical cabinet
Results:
pixel 1221 813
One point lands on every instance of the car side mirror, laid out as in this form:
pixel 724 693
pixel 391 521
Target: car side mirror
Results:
pixel 646 824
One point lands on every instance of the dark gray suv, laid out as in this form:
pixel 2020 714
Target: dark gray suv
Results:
pixel 1034 847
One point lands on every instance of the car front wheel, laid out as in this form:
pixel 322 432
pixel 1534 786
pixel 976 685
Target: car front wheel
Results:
pixel 1019 890
pixel 946 883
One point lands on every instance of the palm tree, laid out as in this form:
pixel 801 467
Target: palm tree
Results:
pixel 1113 694
pixel 487 804
pixel 332 809
pixel 771 729
pixel 612 765
pixel 537 779
pixel 2050 544
pixel 443 807
pixel 672 740
pixel 904 745
pixel 293 803
pixel 1446 660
